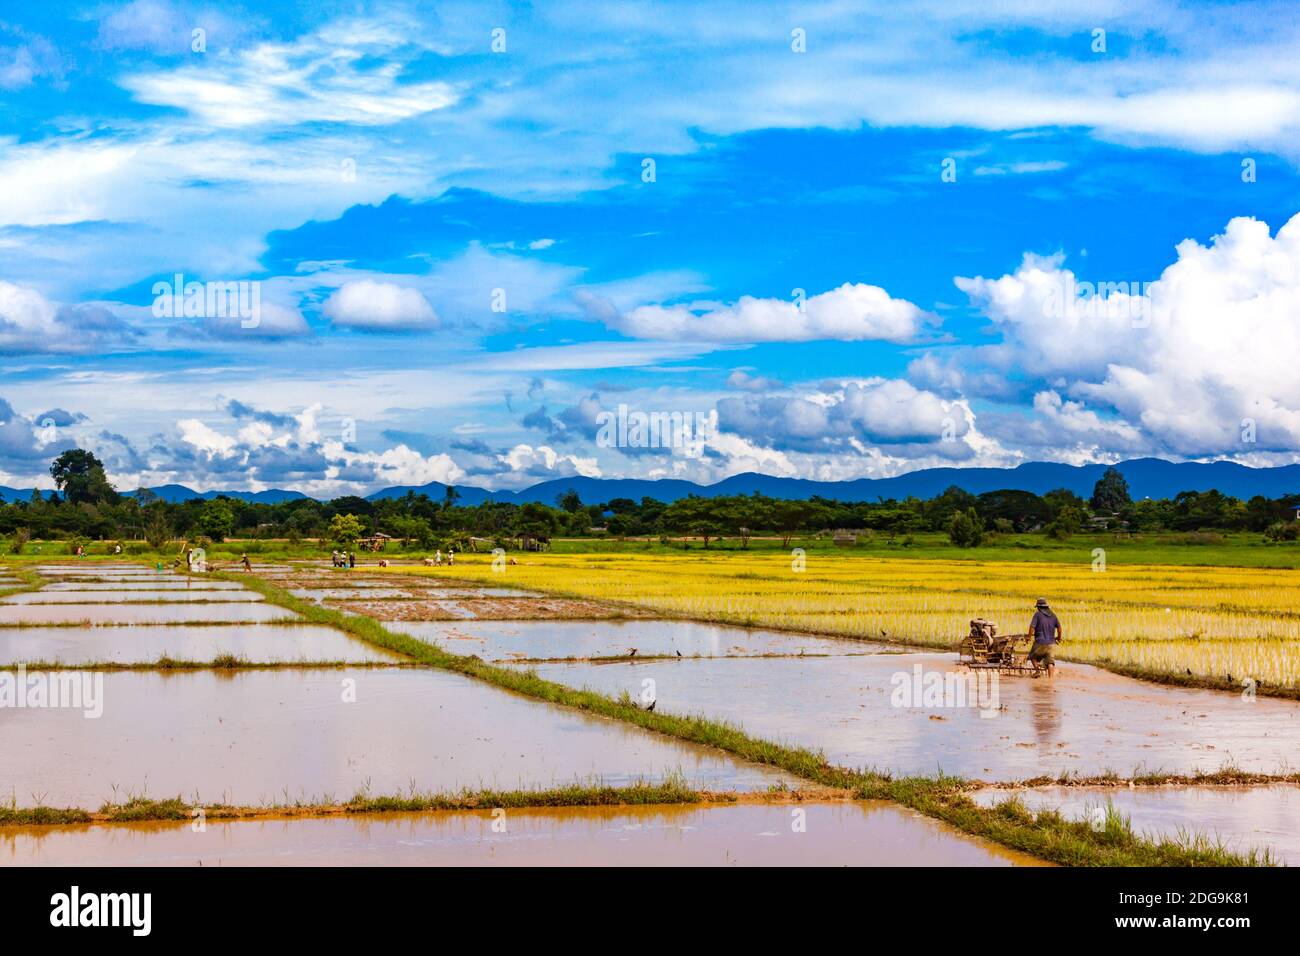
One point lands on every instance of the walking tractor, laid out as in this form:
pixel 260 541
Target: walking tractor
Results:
pixel 985 649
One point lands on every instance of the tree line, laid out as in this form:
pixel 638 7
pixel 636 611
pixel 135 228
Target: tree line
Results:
pixel 86 506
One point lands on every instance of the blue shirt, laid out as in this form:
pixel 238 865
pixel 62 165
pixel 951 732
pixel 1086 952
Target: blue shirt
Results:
pixel 1044 626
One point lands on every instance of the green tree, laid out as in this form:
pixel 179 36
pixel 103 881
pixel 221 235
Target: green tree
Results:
pixel 1110 494
pixel 345 529
pixel 1068 521
pixel 80 476
pixel 966 529
pixel 791 517
pixel 216 519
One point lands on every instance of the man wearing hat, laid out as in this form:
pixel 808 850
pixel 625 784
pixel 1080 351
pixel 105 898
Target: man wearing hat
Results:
pixel 1045 629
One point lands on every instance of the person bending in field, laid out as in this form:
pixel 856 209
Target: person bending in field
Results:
pixel 1045 629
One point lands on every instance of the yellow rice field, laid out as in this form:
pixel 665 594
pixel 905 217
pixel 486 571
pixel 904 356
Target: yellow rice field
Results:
pixel 1213 622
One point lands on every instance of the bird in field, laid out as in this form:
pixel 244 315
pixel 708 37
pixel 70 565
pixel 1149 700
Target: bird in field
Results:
pixel 679 653
pixel 632 653
pixel 1189 672
pixel 652 705
pixel 1230 679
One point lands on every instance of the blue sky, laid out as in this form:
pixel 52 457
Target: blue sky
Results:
pixel 845 239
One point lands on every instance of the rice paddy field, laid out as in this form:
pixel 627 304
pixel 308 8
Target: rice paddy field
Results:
pixel 398 714
pixel 1219 625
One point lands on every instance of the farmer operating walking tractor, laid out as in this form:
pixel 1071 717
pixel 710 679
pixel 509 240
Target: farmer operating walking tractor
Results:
pixel 1045 629
pixel 985 648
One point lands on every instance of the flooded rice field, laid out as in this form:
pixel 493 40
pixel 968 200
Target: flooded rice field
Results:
pixel 319 595
pixel 558 640
pixel 485 609
pixel 255 643
pixel 1242 817
pixel 157 583
pixel 867 712
pixel 118 596
pixel 314 734
pixel 254 737
pixel 745 834
pixel 117 614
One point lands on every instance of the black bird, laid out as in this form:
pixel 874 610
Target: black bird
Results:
pixel 1230 679
pixel 632 653
pixel 679 653
pixel 1189 672
pixel 652 705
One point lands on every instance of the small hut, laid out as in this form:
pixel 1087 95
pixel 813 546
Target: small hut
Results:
pixel 375 542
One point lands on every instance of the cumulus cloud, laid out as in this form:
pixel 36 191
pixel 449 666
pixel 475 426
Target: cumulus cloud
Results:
pixel 274 321
pixel 741 381
pixel 543 462
pixel 852 418
pixel 577 422
pixel 32 324
pixel 379 307
pixel 25 443
pixel 1200 360
pixel 852 313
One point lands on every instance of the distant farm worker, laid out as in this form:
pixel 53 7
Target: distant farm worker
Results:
pixel 352 559
pixel 334 557
pixel 248 565
pixel 1045 629
pixel 437 558
pixel 451 556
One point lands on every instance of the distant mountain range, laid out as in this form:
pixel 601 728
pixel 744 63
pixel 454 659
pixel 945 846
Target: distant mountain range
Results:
pixel 1147 478
pixel 178 493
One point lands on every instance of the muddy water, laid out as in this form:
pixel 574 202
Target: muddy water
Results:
pixel 1086 721
pixel 117 596
pixel 152 584
pixel 173 613
pixel 270 736
pixel 93 571
pixel 322 594
pixel 138 645
pixel 537 640
pixel 865 834
pixel 1242 817
pixel 481 609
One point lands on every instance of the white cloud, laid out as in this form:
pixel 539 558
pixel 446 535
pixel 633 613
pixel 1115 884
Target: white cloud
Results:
pixel 742 381
pixel 26 59
pixel 31 323
pixel 205 439
pixel 379 306
pixel 165 28
pixel 853 417
pixel 1190 359
pixel 532 464
pixel 853 312
pixel 324 77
